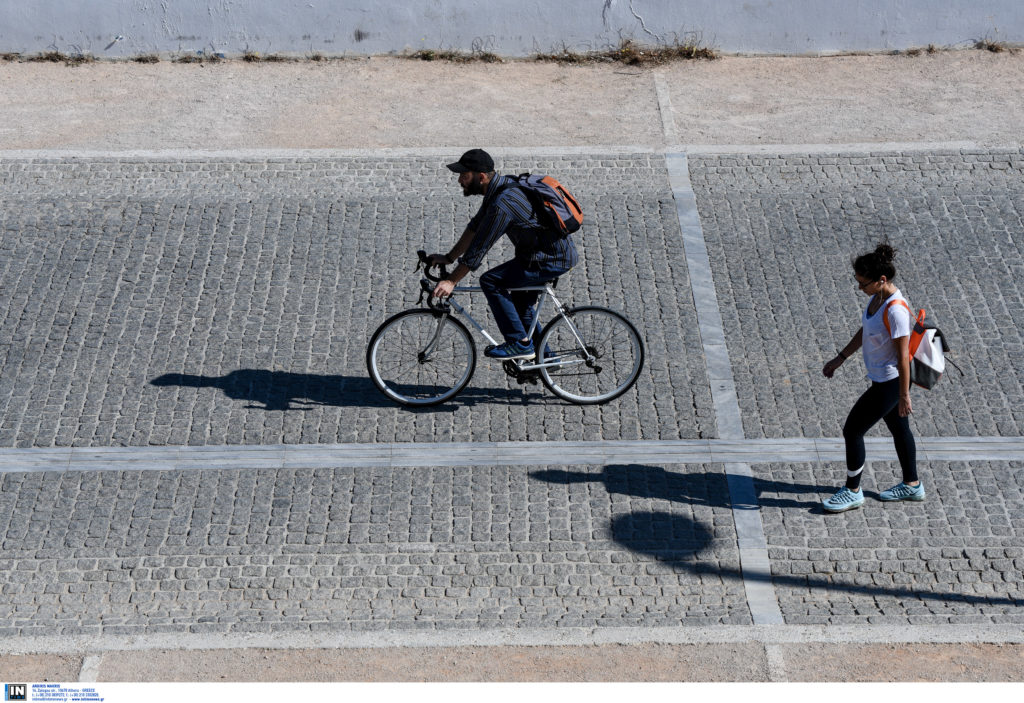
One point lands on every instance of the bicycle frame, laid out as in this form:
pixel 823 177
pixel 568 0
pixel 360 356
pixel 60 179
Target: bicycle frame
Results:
pixel 545 292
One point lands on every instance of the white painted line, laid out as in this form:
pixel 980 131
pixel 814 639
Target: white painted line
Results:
pixel 769 634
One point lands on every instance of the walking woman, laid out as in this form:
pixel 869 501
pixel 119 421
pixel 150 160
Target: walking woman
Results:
pixel 885 338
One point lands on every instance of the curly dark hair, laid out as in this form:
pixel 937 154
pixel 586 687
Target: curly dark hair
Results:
pixel 875 264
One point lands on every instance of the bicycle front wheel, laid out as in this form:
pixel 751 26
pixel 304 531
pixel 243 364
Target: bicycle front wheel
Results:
pixel 601 368
pixel 417 359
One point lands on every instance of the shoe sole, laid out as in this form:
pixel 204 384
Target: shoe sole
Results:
pixel 840 510
pixel 915 499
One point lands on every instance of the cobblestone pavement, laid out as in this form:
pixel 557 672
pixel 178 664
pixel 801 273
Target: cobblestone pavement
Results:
pixel 357 549
pixel 230 302
pixel 220 301
pixel 780 232
pixel 957 557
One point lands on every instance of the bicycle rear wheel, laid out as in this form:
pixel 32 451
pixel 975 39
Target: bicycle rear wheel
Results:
pixel 409 366
pixel 603 368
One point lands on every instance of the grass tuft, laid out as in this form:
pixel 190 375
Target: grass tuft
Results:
pixel 632 54
pixel 147 58
pixel 198 58
pixel 455 56
pixel 996 47
pixel 58 57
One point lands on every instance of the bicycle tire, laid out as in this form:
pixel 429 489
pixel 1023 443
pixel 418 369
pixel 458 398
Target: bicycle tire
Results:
pixel 403 376
pixel 614 344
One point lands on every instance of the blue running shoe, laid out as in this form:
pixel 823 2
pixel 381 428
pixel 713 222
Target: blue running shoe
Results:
pixel 843 499
pixel 903 492
pixel 510 350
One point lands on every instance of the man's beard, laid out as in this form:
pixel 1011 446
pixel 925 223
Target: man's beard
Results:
pixel 474 187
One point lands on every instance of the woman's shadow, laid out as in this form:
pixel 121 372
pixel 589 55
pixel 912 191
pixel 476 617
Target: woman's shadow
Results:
pixel 707 488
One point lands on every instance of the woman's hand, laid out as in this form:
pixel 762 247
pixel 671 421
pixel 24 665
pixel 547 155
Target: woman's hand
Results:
pixel 830 367
pixel 905 406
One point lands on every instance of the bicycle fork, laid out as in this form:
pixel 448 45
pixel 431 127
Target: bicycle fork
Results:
pixel 424 356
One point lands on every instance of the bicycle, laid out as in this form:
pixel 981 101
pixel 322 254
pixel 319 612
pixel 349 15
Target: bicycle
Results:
pixel 425 355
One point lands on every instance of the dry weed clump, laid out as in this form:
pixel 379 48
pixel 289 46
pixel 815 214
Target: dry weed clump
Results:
pixel 633 54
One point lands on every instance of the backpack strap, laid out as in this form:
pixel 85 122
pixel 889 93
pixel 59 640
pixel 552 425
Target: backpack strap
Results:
pixel 885 314
pixel 917 330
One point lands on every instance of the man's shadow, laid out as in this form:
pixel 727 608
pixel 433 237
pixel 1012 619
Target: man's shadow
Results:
pixel 282 390
pixel 679 540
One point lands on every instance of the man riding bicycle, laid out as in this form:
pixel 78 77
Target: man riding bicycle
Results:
pixel 540 254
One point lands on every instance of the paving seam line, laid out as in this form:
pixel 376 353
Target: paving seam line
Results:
pixel 95 646
pixel 755 564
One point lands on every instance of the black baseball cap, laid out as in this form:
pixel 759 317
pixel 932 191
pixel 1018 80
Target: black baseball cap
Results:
pixel 476 160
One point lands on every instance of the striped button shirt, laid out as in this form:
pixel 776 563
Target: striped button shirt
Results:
pixel 506 210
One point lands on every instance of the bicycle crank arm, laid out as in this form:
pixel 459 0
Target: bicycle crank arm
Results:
pixel 551 365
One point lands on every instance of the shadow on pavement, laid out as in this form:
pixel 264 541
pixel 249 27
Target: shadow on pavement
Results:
pixel 646 481
pixel 678 539
pixel 282 390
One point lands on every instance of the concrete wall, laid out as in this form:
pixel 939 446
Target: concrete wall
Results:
pixel 506 27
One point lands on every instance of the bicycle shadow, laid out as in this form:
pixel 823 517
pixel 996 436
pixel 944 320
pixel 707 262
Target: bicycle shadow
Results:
pixel 679 540
pixel 283 390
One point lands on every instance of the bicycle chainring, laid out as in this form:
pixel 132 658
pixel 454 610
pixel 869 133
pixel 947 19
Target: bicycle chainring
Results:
pixel 522 377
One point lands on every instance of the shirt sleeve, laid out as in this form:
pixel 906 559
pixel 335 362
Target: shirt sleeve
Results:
pixel 899 321
pixel 491 225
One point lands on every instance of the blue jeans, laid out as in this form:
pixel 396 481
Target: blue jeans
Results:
pixel 513 311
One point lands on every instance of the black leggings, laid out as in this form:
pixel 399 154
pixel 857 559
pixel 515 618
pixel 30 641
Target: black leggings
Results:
pixel 880 401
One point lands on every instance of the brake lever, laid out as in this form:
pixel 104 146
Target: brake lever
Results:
pixel 427 265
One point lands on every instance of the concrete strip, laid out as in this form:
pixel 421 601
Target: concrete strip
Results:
pixel 769 634
pixel 608 663
pixel 90 668
pixel 668 122
pixel 735 662
pixel 753 546
pixel 551 150
pixel 407 455
pixel 776 661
